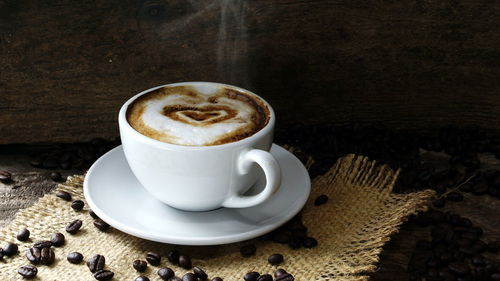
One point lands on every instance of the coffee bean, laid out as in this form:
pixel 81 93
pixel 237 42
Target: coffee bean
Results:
pixel 23 234
pixel 295 242
pixel 166 273
pixel 142 278
pixel 275 259
pixel 10 249
pixel 74 226
pixel 75 257
pixel 27 271
pixel 153 258
pixel 65 165
pixel 185 262
pixel 495 276
pixel 93 215
pixel 189 277
pixel 77 205
pixel 42 244
pixel 459 268
pixel 285 277
pixel 200 273
pixel 36 163
pixel 309 242
pixel 480 189
pixel 251 276
pixel 49 164
pixel 265 277
pixel 279 272
pixel 248 250
pixel 1 254
pixel 320 200
pixel 439 203
pixel 47 256
pixel 493 246
pixel 33 255
pixel 96 263
pixel 173 256
pixel 5 176
pixel 64 195
pixel 56 176
pixel 217 279
pixel 140 265
pixel 281 237
pixel 175 278
pixel 455 196
pixel 57 239
pixel 103 275
pixel 101 225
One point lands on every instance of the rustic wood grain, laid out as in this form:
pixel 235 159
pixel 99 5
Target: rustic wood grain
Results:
pixel 66 67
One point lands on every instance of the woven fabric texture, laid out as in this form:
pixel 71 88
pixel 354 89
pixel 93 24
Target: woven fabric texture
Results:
pixel 351 229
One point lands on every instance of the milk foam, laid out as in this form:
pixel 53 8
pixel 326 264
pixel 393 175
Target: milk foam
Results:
pixel 194 118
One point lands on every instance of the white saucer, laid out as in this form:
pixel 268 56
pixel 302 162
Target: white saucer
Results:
pixel 115 195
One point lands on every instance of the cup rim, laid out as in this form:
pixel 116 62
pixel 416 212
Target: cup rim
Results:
pixel 123 122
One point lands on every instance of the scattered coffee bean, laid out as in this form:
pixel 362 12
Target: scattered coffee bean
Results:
pixel 265 277
pixel 459 268
pixel 93 215
pixel 10 249
pixel 23 234
pixel 185 262
pixel 57 239
pixel 166 273
pixel 36 163
pixel 103 275
pixel 200 273
pixel 493 246
pixel 56 176
pixel 101 225
pixel 153 258
pixel 47 256
pixel 33 255
pixel 5 176
pixel 175 278
pixel 1 254
pixel 320 200
pixel 96 263
pixel 42 244
pixel 251 276
pixel 27 271
pixel 142 278
pixel 217 279
pixel 173 256
pixel 140 265
pixel 279 272
pixel 63 195
pixel 74 226
pixel 75 257
pixel 309 242
pixel 248 250
pixel 275 259
pixel 285 277
pixel 455 196
pixel 77 205
pixel 189 277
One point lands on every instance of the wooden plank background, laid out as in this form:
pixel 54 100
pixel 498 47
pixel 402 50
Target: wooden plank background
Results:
pixel 66 66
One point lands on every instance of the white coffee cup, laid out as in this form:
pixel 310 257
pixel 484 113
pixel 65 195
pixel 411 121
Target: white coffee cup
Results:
pixel 202 178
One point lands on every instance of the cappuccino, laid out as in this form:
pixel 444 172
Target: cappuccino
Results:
pixel 198 115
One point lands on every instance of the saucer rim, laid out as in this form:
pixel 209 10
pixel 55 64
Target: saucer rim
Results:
pixel 198 241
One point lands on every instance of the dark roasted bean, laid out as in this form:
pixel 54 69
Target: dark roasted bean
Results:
pixel 275 259
pixel 96 263
pixel 65 165
pixel 493 246
pixel 56 176
pixel 27 271
pixel 33 255
pixel 251 276
pixel 49 164
pixel 75 257
pixel 64 195
pixel 36 163
pixel 459 268
pixel 189 277
pixel 279 272
pixel 57 239
pixel 140 265
pixel 309 242
pixel 185 262
pixel 265 277
pixel 142 278
pixel 173 256
pixel 175 278
pixel 101 225
pixel 248 250
pixel 103 275
pixel 42 244
pixel 153 258
pixel 23 234
pixel 217 279
pixel 281 237
pixel 320 200
pixel 74 226
pixel 166 273
pixel 285 277
pixel 455 196
pixel 93 215
pixel 47 256
pixel 480 189
pixel 10 249
pixel 200 273
pixel 295 242
pixel 495 276
pixel 77 205
pixel 5 176
pixel 439 203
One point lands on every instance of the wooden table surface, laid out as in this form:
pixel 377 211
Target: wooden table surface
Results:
pixel 31 183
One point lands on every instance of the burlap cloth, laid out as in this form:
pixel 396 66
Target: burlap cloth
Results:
pixel 351 228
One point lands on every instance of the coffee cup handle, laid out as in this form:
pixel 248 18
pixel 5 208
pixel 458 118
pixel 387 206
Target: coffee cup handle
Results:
pixel 272 173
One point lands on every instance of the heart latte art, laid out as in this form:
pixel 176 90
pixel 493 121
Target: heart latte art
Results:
pixel 188 115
